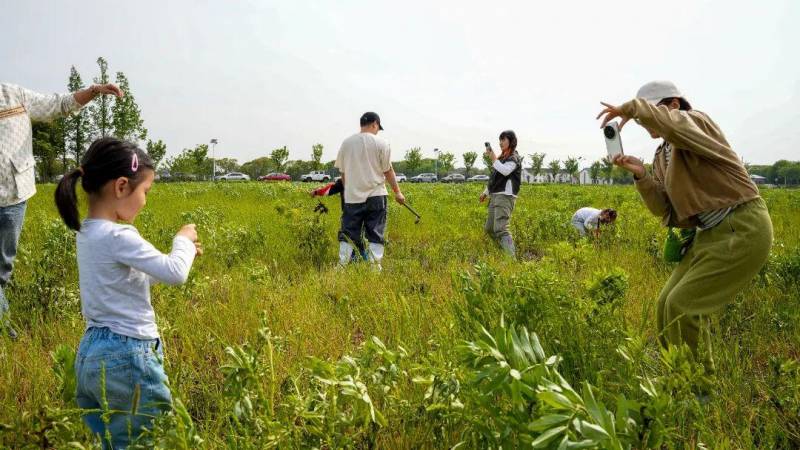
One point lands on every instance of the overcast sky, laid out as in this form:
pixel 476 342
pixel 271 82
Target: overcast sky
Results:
pixel 449 74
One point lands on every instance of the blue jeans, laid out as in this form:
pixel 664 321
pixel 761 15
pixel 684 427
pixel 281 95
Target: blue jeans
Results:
pixel 111 367
pixel 11 218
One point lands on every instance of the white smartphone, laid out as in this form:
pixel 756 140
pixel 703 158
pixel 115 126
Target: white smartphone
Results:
pixel 613 140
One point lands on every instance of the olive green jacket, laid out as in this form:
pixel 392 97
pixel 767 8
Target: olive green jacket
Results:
pixel 704 174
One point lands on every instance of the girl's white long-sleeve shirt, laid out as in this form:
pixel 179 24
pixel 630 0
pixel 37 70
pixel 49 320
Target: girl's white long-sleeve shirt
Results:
pixel 116 266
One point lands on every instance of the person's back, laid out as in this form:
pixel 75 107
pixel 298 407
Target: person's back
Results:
pixel 363 158
pixel 586 219
pixel 115 266
pixel 365 161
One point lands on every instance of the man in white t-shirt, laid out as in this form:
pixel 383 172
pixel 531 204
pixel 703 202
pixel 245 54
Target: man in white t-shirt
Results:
pixel 364 160
pixel 590 219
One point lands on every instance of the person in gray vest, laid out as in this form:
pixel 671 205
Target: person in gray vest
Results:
pixel 18 106
pixel 502 190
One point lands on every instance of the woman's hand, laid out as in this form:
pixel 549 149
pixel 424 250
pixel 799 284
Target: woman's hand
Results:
pixel 632 164
pixel 611 112
pixel 490 153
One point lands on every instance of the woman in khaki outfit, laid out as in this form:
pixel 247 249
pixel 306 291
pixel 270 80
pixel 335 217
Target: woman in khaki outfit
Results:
pixel 697 181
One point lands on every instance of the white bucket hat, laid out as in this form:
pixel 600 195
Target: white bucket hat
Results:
pixel 655 91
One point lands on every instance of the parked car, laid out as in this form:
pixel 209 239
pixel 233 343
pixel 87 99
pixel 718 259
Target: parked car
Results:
pixel 275 177
pixel 400 177
pixel 424 178
pixel 235 176
pixel 180 176
pixel 316 175
pixel 478 178
pixel 453 178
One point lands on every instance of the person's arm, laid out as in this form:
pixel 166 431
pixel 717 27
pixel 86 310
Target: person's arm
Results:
pixel 504 168
pixel 650 187
pixel 392 179
pixel 134 251
pixel 677 127
pixel 48 107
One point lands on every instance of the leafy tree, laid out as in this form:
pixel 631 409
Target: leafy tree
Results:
pixel 279 156
pixel 413 160
pixel 446 161
pixel 100 110
pixel 571 167
pixel 257 167
pixel 126 117
pixel 48 145
pixel 594 171
pixel 227 165
pixel 199 156
pixel 316 156
pixel 156 151
pixel 608 168
pixel 786 171
pixel 191 160
pixel 487 161
pixel 537 159
pixel 555 168
pixel 297 168
pixel 77 126
pixel 469 161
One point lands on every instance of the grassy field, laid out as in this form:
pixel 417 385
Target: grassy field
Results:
pixel 270 345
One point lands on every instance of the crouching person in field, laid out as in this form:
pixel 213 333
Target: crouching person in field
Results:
pixel 590 219
pixel 120 357
pixel 337 188
pixel 364 159
pixel 699 182
pixel 502 190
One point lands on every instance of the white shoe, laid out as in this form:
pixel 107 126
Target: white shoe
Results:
pixel 376 255
pixel 345 253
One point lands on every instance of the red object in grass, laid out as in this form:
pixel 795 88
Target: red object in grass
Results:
pixel 275 177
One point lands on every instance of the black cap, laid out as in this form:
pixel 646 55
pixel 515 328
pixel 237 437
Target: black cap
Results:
pixel 369 117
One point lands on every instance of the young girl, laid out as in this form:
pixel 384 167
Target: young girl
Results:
pixel 120 356
pixel 697 182
pixel 502 190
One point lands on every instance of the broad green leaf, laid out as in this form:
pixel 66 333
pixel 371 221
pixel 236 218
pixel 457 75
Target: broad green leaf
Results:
pixel 545 422
pixel 543 439
pixel 592 431
pixel 555 400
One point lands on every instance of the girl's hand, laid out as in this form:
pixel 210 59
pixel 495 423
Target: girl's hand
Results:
pixel 611 112
pixel 482 198
pixel 198 248
pixel 632 164
pixel 189 231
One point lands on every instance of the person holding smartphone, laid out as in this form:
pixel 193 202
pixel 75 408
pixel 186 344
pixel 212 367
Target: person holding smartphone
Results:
pixel 697 181
pixel 502 190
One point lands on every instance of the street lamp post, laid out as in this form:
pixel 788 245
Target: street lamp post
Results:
pixel 213 160
pixel 436 163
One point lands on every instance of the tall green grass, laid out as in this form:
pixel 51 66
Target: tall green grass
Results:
pixel 269 344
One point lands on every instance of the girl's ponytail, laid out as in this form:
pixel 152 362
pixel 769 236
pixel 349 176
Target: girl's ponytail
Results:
pixel 67 199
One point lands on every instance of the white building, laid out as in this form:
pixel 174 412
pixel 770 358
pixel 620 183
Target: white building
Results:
pixel 584 177
pixel 544 176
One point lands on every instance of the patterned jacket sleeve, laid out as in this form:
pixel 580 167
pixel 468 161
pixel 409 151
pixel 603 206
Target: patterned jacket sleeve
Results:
pixel 47 107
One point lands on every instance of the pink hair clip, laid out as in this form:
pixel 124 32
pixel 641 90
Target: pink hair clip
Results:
pixel 135 163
